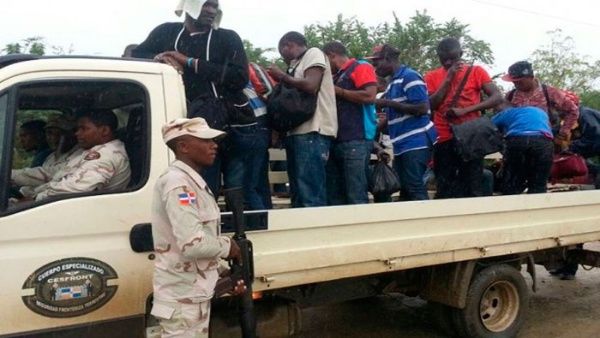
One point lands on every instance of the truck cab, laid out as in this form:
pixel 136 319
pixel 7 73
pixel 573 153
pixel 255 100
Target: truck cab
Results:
pixel 69 257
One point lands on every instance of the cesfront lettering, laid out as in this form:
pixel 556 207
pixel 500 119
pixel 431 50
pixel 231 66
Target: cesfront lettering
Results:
pixel 69 278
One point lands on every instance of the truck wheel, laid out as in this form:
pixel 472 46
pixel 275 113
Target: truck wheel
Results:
pixel 496 304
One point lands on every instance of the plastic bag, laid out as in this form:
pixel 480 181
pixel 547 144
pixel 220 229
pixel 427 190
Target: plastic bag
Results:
pixel 383 180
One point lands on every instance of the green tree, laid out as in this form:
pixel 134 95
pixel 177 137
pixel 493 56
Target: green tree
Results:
pixel 358 38
pixel 558 64
pixel 257 54
pixel 35 45
pixel 591 98
pixel 416 39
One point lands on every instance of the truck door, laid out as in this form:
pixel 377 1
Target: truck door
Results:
pixel 66 260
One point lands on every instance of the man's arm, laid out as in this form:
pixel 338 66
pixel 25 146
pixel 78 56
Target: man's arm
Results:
pixel 365 95
pixel 437 98
pixel 415 92
pixel 569 112
pixel 494 98
pixel 155 43
pixel 30 176
pixel 310 83
pixel 90 175
pixel 365 83
pixel 233 73
pixel 416 109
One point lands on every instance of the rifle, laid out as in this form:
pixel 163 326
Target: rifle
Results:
pixel 234 199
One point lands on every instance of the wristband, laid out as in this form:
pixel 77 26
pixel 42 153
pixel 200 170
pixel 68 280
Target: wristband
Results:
pixel 190 62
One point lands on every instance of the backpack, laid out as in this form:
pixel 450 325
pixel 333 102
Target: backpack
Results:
pixel 262 82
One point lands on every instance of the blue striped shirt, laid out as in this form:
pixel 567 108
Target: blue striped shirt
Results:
pixel 408 132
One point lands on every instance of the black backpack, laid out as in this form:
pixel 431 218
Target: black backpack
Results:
pixel 288 107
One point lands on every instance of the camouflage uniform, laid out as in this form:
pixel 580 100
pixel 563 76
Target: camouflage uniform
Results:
pixel 188 245
pixel 37 176
pixel 102 167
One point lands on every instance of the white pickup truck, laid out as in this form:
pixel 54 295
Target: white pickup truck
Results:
pixel 73 264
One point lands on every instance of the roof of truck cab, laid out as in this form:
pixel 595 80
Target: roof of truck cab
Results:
pixel 11 65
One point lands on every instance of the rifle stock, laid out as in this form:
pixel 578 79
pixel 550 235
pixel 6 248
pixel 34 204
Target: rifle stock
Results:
pixel 234 199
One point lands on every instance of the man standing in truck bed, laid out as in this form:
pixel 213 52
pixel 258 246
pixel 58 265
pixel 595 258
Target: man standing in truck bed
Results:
pixel 186 232
pixel 214 68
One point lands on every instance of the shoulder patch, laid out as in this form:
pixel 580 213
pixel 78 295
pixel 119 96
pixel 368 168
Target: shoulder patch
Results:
pixel 92 155
pixel 187 197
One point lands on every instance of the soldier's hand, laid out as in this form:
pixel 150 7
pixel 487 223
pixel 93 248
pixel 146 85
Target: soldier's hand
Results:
pixel 239 288
pixel 234 251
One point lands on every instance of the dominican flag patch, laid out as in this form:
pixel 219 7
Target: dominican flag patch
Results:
pixel 187 198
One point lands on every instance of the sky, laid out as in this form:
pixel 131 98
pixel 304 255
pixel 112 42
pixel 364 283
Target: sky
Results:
pixel 514 28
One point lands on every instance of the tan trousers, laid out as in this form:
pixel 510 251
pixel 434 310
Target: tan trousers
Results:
pixel 178 320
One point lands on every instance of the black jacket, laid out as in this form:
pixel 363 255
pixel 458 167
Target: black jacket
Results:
pixel 227 67
pixel 588 144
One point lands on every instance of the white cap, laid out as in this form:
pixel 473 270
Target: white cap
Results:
pixel 196 127
pixel 194 7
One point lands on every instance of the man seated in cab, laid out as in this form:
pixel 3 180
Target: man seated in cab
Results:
pixel 102 165
pixel 60 136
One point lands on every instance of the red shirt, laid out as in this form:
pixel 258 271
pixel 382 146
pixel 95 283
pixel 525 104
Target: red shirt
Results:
pixel 558 99
pixel 470 95
pixel 363 74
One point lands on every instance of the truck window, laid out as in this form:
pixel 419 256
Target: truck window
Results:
pixel 66 161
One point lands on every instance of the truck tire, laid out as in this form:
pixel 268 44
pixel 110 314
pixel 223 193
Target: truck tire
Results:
pixel 496 304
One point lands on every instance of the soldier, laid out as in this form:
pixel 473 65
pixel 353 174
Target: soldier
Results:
pixel 60 135
pixel 102 165
pixel 33 140
pixel 186 233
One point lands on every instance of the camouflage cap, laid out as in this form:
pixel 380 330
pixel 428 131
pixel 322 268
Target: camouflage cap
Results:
pixel 196 127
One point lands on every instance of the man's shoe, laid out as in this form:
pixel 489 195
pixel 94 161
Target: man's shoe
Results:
pixel 567 276
pixel 556 272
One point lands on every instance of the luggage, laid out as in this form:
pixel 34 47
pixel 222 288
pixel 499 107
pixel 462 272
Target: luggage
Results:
pixel 568 165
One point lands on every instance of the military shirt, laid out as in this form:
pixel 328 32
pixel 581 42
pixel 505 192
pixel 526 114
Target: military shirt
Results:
pixel 186 231
pixel 37 176
pixel 102 167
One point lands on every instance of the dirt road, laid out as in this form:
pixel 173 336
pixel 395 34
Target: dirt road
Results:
pixel 559 309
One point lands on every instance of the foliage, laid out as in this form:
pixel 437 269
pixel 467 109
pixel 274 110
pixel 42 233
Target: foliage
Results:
pixel 35 45
pixel 559 65
pixel 257 54
pixel 591 98
pixel 417 39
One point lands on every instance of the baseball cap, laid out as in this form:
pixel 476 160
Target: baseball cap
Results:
pixel 381 51
pixel 518 71
pixel 61 122
pixel 196 127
